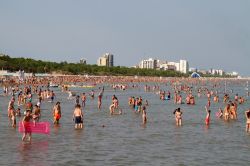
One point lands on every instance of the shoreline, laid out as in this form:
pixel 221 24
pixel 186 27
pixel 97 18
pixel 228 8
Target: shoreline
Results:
pixel 92 80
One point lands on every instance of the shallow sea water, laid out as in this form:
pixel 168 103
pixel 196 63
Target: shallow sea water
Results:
pixel 124 140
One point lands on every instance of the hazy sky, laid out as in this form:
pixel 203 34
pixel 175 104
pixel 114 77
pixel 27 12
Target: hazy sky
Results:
pixel 207 33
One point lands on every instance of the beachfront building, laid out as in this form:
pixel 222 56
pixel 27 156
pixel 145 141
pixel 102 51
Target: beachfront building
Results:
pixel 234 74
pixel 160 64
pixel 217 72
pixel 169 66
pixel 181 66
pixel 106 60
pixel 19 74
pixel 148 64
pixel 166 66
pixel 203 71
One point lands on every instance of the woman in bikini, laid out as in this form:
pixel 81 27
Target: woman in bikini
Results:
pixel 247 114
pixel 178 116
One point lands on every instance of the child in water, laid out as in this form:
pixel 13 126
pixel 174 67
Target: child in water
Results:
pixel 18 112
pixel 219 114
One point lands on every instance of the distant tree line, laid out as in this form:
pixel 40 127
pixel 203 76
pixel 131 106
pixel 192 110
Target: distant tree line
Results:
pixel 38 66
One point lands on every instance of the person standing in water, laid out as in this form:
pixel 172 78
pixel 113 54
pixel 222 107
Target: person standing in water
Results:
pixel 207 120
pixel 226 112
pixel 36 114
pixel 99 103
pixel 208 102
pixel 83 100
pixel 57 113
pixel 13 116
pixel 77 100
pixel 26 125
pixel 247 114
pixel 92 94
pixel 78 117
pixel 144 115
pixel 178 117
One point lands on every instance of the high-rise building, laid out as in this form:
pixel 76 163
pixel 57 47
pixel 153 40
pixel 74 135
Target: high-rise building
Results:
pixel 184 66
pixel 106 60
pixel 110 60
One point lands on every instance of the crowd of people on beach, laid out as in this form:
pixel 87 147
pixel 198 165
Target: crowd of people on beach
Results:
pixel 23 94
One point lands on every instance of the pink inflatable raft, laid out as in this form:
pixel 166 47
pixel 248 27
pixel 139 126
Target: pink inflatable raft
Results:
pixel 38 127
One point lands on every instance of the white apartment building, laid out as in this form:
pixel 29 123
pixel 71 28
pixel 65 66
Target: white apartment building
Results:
pixel 148 64
pixel 184 66
pixel 151 63
pixel 217 72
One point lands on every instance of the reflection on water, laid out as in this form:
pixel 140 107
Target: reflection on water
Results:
pixel 124 140
pixel 32 152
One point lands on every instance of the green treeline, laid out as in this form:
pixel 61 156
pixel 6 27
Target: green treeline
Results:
pixel 38 66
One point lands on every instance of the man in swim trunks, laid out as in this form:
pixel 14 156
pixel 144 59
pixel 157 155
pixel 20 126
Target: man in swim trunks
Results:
pixel 57 113
pixel 26 125
pixel 78 117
